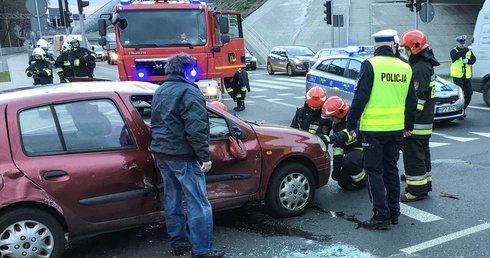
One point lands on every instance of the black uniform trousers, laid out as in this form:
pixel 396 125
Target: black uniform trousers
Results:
pixel 416 160
pixel 351 166
pixel 381 154
pixel 465 85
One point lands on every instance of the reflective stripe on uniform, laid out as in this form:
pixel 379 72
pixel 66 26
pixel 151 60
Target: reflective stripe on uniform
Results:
pixel 358 177
pixel 416 180
pixel 338 151
pixel 422 129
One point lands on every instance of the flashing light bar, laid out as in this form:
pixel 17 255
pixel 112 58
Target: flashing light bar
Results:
pixel 124 1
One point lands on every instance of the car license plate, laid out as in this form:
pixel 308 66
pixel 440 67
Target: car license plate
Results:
pixel 446 109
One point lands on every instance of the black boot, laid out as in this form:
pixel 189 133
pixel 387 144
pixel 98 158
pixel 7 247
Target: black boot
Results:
pixel 240 105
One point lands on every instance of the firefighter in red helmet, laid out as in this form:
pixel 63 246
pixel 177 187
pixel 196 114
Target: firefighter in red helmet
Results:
pixel 347 150
pixel 416 152
pixel 309 117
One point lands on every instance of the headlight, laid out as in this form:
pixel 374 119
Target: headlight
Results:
pixel 461 93
pixel 297 61
pixel 254 59
pixel 114 56
pixel 322 144
pixel 211 90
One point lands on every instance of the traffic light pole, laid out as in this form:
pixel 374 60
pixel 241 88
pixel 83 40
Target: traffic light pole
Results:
pixel 415 18
pixel 82 28
pixel 67 29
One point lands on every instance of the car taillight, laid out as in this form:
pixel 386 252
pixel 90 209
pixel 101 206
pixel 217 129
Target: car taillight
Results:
pixel 307 75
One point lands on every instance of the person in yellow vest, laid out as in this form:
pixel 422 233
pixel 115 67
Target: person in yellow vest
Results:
pixel 416 152
pixel 384 106
pixel 462 58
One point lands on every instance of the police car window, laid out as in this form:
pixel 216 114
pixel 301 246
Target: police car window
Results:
pixel 323 66
pixel 354 68
pixel 337 67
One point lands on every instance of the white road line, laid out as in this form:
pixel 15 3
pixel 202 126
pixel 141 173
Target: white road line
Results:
pixel 258 96
pixel 290 84
pixel 267 85
pixel 459 139
pixel 482 134
pixel 444 239
pixel 253 88
pixel 299 97
pixel 481 108
pixel 285 94
pixel 417 214
pixel 278 101
pixel 295 79
pixel 437 144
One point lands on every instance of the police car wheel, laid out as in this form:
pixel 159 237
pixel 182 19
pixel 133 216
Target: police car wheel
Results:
pixel 269 69
pixel 290 191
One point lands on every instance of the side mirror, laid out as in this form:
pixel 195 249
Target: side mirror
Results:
pixel 225 39
pixel 224 26
pixel 93 48
pixel 102 27
pixel 102 41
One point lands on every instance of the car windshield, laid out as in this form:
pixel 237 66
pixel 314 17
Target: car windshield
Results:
pixel 299 51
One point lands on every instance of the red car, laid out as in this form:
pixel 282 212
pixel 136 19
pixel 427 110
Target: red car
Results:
pixel 75 161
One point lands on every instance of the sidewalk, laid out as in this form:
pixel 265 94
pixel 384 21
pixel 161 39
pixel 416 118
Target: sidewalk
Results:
pixel 17 64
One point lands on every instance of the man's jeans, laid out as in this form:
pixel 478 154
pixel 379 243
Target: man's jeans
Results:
pixel 187 177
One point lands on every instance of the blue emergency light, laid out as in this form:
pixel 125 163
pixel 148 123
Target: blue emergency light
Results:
pixel 124 1
pixel 195 1
pixel 351 50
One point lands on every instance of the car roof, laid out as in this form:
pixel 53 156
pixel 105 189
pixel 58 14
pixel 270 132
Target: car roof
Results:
pixel 98 88
pixel 338 56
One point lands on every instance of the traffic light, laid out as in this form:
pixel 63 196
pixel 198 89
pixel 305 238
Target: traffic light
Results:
pixel 328 12
pixel 418 5
pixel 68 20
pixel 82 4
pixel 409 4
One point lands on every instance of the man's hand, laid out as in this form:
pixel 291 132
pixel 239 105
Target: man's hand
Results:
pixel 353 133
pixel 206 166
pixel 407 133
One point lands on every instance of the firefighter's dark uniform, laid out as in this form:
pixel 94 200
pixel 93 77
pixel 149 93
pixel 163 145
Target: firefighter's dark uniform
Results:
pixel 416 152
pixel 83 62
pixel 461 72
pixel 347 158
pixel 40 71
pixel 63 67
pixel 311 120
pixel 237 87
pixel 384 103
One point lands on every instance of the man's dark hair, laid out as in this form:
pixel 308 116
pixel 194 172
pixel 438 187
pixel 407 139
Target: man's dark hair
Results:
pixel 179 63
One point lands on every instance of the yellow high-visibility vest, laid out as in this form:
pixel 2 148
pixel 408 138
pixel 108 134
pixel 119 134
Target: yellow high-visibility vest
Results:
pixel 458 68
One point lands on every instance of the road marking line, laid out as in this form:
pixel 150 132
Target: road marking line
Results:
pixel 290 84
pixel 482 134
pixel 268 85
pixel 257 89
pixel 417 214
pixel 296 79
pixel 459 139
pixel 299 97
pixel 259 96
pixel 437 144
pixel 285 94
pixel 481 108
pixel 444 239
pixel 277 101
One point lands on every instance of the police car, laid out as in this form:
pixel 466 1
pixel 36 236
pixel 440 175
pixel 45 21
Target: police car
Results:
pixel 337 75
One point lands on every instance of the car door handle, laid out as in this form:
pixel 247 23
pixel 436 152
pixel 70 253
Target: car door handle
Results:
pixel 54 173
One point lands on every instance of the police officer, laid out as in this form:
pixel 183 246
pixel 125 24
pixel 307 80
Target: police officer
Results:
pixel 462 58
pixel 81 59
pixel 63 65
pixel 384 106
pixel 347 150
pixel 309 117
pixel 416 152
pixel 40 68
pixel 237 87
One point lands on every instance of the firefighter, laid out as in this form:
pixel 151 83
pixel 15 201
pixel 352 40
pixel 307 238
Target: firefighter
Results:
pixel 81 59
pixel 219 105
pixel 347 150
pixel 237 87
pixel 63 65
pixel 383 106
pixel 40 68
pixel 44 44
pixel 309 117
pixel 416 152
pixel 462 58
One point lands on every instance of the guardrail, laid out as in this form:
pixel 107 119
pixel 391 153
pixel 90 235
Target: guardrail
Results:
pixel 257 42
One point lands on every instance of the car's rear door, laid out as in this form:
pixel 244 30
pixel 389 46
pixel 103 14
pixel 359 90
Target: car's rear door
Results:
pixel 97 168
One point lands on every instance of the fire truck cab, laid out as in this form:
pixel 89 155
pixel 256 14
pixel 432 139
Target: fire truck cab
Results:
pixel 148 32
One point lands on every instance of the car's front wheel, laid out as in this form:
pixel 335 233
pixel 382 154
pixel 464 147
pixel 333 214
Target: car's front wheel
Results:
pixel 486 93
pixel 269 69
pixel 26 232
pixel 290 70
pixel 291 190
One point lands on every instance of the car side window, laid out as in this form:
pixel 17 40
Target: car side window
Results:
pixel 90 125
pixel 218 128
pixel 354 68
pixel 323 66
pixel 337 67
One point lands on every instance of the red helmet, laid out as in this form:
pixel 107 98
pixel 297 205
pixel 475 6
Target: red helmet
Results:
pixel 415 40
pixel 335 106
pixel 219 105
pixel 315 97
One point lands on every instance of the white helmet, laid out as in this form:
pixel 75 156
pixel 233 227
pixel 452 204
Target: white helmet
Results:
pixel 38 52
pixel 70 39
pixel 42 43
pixel 65 47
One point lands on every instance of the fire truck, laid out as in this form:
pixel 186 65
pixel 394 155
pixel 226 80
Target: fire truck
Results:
pixel 148 32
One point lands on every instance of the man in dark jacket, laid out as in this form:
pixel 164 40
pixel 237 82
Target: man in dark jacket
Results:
pixel 81 59
pixel 309 117
pixel 40 69
pixel 416 152
pixel 63 65
pixel 180 140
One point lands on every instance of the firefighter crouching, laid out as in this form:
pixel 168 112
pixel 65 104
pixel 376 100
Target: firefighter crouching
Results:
pixel 40 68
pixel 63 65
pixel 237 87
pixel 308 117
pixel 347 150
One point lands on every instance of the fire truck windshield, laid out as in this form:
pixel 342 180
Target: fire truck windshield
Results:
pixel 161 28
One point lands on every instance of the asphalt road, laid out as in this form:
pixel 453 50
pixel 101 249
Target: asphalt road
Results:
pixel 436 227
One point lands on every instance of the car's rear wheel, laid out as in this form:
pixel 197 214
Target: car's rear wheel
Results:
pixel 291 190
pixel 26 232
pixel 486 93
pixel 269 69
pixel 289 68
